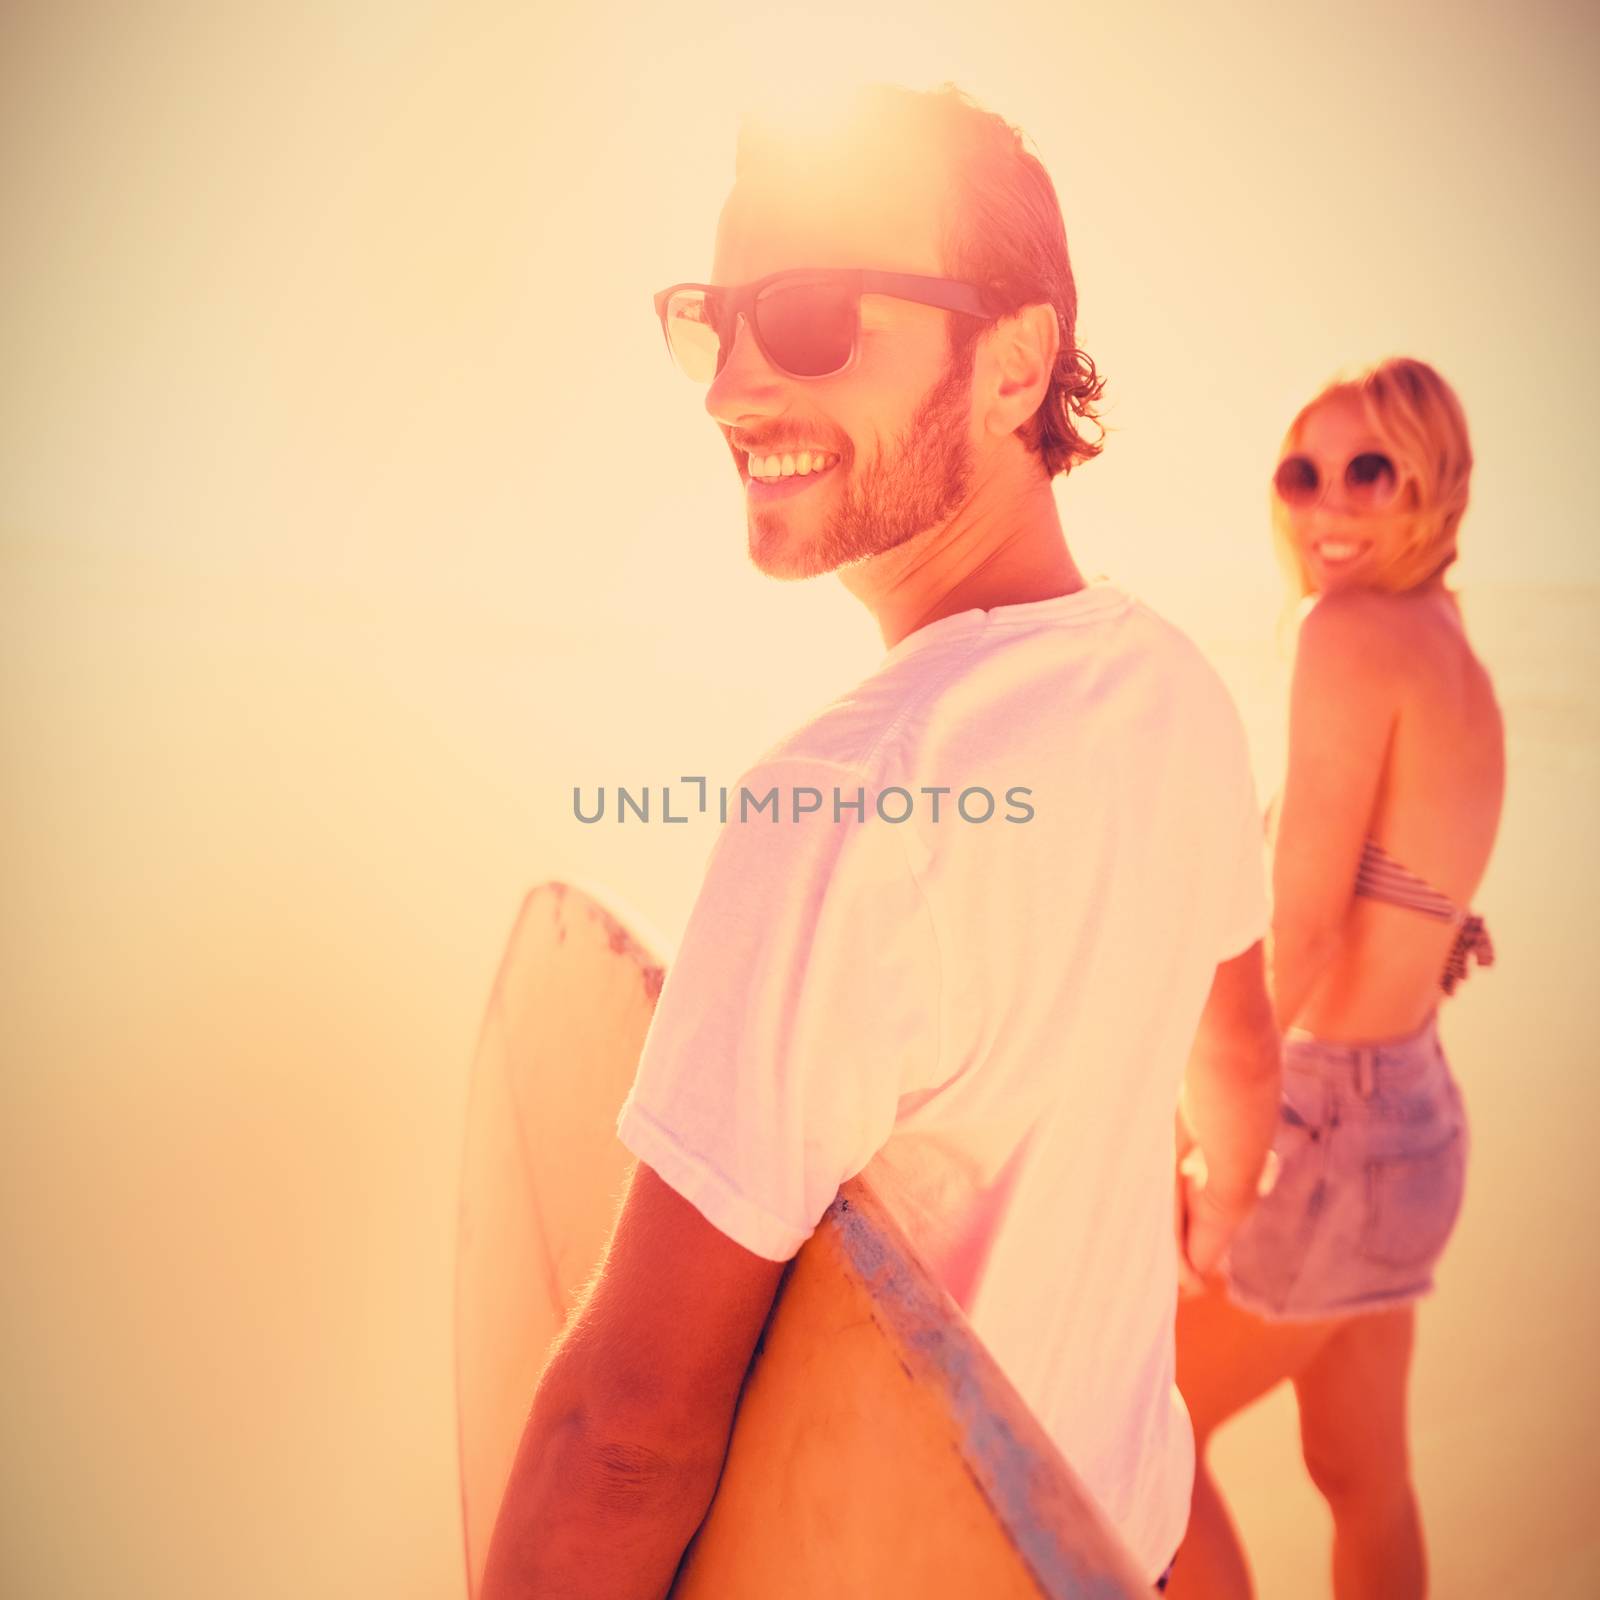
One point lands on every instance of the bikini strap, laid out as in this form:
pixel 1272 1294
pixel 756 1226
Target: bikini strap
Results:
pixel 1472 940
pixel 1380 877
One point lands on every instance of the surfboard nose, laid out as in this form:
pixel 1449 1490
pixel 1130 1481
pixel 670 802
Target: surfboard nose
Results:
pixel 542 1168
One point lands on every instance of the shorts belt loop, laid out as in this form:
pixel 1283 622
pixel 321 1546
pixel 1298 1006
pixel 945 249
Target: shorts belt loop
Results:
pixel 1366 1071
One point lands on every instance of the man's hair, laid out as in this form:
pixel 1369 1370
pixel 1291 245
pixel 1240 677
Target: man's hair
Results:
pixel 1419 419
pixel 1002 231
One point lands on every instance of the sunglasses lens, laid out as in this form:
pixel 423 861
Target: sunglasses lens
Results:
pixel 1370 478
pixel 693 335
pixel 1296 480
pixel 809 329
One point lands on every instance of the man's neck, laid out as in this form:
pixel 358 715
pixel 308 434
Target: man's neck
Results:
pixel 1003 547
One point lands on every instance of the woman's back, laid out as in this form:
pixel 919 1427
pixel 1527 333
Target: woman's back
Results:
pixel 1435 813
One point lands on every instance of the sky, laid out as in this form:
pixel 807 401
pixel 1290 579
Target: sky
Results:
pixel 351 512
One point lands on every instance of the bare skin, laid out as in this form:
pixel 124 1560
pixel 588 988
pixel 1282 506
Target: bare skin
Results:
pixel 1394 731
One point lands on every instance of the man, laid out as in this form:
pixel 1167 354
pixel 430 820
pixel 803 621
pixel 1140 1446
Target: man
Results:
pixel 992 1006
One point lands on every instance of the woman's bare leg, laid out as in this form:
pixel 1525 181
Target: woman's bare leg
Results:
pixel 1227 1358
pixel 1353 1431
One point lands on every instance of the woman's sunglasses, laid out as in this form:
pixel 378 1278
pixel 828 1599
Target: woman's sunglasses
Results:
pixel 805 322
pixel 1370 481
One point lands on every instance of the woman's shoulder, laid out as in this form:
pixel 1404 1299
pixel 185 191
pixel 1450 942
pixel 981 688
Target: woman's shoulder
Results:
pixel 1358 626
pixel 1387 630
pixel 1393 653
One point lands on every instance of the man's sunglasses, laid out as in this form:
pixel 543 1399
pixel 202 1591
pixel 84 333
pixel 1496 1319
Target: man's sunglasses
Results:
pixel 1370 481
pixel 805 322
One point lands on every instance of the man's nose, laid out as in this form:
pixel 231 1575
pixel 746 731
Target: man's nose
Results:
pixel 747 385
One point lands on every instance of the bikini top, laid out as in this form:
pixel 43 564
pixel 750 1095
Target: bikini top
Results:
pixel 1381 877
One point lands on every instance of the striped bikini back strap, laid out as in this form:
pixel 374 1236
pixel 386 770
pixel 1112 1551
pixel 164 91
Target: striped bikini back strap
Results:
pixel 1472 940
pixel 1381 877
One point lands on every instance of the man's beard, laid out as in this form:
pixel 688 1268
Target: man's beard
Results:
pixel 918 480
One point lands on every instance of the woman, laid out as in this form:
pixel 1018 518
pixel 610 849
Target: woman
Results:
pixel 1387 818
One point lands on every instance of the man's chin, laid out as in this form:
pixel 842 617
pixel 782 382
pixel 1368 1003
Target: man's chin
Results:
pixel 778 552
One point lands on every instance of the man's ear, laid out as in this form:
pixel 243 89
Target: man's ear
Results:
pixel 1023 351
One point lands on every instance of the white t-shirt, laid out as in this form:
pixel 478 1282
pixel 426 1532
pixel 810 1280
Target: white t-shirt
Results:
pixel 991 1007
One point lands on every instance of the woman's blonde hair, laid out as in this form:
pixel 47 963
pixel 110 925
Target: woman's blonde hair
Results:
pixel 1417 415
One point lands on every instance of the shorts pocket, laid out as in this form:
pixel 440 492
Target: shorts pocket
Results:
pixel 1413 1202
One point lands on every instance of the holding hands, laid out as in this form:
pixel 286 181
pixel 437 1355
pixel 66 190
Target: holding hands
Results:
pixel 1207 1217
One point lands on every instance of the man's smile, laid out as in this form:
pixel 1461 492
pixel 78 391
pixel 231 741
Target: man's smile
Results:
pixel 778 475
pixel 790 463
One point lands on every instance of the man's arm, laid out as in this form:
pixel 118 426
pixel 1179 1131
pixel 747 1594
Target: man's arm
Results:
pixel 631 1418
pixel 1230 1107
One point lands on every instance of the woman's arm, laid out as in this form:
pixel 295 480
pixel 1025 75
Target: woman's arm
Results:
pixel 1229 1107
pixel 1342 710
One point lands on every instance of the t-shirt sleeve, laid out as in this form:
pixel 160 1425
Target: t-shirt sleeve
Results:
pixel 1247 903
pixel 802 1003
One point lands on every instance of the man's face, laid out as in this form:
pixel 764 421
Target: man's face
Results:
pixel 898 419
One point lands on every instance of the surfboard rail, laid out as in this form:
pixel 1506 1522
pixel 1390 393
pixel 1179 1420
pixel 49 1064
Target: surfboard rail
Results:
pixel 879 1449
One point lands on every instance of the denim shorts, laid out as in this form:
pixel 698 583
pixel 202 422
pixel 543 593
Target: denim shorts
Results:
pixel 1372 1147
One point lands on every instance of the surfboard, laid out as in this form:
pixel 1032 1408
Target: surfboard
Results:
pixel 877 1451
pixel 542 1169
